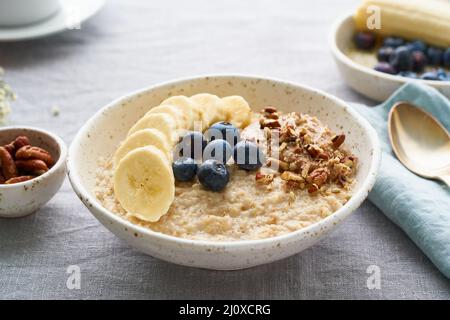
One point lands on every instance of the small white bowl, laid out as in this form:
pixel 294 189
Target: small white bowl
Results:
pixel 24 198
pixel 373 84
pixel 104 131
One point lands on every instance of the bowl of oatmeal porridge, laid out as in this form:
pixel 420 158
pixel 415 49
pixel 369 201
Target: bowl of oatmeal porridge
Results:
pixel 320 160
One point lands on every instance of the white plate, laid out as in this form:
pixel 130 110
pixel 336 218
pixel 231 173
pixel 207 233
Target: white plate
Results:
pixel 373 84
pixel 100 136
pixel 71 13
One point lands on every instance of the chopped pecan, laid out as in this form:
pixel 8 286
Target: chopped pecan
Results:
pixel 318 177
pixel 337 140
pixel 313 150
pixel 269 123
pixel 29 152
pixel 9 169
pixel 18 179
pixel 287 134
pixel 270 109
pixel 313 188
pixel 291 176
pixel 32 165
pixel 264 178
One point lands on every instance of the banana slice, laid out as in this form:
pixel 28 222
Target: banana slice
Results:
pixel 161 121
pixel 212 105
pixel 144 183
pixel 199 117
pixel 238 111
pixel 173 111
pixel 143 138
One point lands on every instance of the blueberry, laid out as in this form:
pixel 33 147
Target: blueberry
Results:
pixel 401 60
pixel 447 58
pixel 419 61
pixel 365 40
pixel 224 130
pixel 385 67
pixel 213 175
pixel 408 74
pixel 417 45
pixel 219 150
pixel 435 56
pixel 248 156
pixel 385 53
pixel 191 145
pixel 184 169
pixel 393 42
pixel 430 76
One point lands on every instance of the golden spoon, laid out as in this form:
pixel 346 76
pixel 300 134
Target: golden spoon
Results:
pixel 420 142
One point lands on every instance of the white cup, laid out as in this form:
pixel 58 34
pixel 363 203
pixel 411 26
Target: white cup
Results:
pixel 23 12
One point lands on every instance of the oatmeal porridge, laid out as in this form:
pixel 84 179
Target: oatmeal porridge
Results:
pixel 305 177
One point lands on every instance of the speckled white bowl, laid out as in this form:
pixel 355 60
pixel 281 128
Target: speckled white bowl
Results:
pixel 373 84
pixel 21 199
pixel 104 131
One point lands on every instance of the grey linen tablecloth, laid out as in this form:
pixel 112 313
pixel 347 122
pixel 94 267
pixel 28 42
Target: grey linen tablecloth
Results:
pixel 131 44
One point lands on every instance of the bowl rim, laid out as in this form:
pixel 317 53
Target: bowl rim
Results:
pixel 341 56
pixel 61 159
pixel 354 202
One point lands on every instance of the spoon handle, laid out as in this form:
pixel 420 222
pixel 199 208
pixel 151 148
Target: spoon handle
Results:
pixel 446 179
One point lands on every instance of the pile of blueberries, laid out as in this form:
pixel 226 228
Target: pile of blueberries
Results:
pixel 407 59
pixel 206 155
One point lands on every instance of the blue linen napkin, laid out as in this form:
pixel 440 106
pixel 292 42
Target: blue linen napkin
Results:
pixel 419 206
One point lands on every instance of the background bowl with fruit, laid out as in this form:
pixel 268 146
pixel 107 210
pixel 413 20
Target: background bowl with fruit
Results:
pixel 33 167
pixel 377 65
pixel 101 135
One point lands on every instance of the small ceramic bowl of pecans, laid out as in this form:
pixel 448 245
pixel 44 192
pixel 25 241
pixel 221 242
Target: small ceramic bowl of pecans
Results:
pixel 32 169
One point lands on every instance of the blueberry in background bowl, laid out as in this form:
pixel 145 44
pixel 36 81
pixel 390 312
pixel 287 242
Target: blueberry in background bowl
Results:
pixel 435 56
pixel 401 60
pixel 385 53
pixel 385 68
pixel 419 61
pixel 213 175
pixel 224 130
pixel 365 40
pixel 248 156
pixel 184 169
pixel 417 45
pixel 219 150
pixel 393 42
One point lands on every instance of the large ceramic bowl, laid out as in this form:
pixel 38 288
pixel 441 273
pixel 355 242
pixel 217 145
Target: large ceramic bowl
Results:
pixel 373 84
pixel 108 127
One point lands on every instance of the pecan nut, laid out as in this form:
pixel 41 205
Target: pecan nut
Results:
pixel 20 142
pixel 29 152
pixel 32 165
pixel 318 176
pixel 337 140
pixel 18 179
pixel 9 169
pixel 269 123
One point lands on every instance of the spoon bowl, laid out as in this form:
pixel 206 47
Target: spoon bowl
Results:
pixel 420 142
